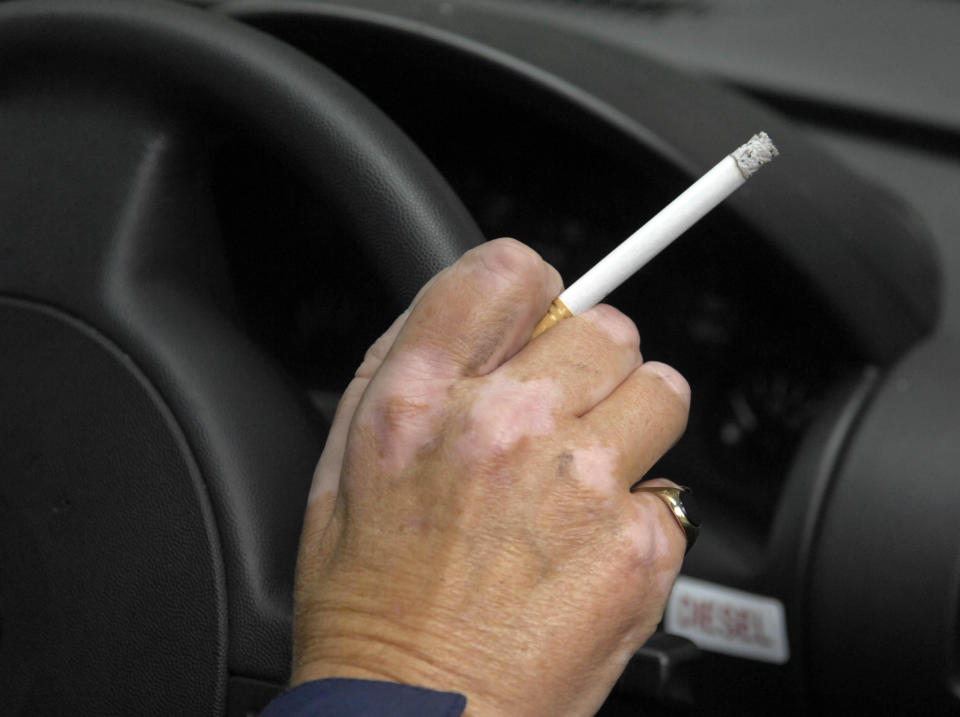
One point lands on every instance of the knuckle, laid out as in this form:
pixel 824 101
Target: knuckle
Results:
pixel 497 433
pixel 554 280
pixel 504 414
pixel 655 539
pixel 509 259
pixel 494 438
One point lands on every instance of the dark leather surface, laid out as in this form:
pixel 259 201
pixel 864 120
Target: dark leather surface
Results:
pixel 882 590
pixel 111 581
pixel 108 115
pixel 392 201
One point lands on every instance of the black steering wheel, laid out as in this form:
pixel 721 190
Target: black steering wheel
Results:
pixel 155 461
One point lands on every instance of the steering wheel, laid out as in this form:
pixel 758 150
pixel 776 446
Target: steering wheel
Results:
pixel 160 459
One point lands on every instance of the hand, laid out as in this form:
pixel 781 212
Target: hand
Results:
pixel 470 527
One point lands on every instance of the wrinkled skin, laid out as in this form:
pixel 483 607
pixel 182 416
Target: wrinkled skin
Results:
pixel 471 526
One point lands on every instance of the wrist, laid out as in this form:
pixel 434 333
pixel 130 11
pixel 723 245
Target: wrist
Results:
pixel 354 644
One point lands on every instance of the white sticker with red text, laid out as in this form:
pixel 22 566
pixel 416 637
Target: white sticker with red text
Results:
pixel 721 619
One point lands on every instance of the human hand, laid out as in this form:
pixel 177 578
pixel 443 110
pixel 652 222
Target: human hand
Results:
pixel 470 526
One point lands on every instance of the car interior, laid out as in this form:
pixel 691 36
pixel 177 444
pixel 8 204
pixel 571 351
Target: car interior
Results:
pixel 208 210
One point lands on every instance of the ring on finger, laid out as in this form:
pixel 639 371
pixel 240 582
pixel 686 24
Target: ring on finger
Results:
pixel 681 504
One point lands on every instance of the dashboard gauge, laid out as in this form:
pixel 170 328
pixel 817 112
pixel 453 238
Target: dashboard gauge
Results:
pixel 765 412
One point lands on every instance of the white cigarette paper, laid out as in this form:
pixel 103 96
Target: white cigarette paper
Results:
pixel 672 221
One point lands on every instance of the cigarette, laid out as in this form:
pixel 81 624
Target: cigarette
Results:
pixel 654 236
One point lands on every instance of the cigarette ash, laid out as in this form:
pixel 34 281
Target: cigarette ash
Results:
pixel 754 154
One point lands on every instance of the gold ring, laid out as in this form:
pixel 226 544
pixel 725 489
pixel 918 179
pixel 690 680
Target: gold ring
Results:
pixel 682 506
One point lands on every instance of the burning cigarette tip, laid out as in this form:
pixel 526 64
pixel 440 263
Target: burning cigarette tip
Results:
pixel 758 150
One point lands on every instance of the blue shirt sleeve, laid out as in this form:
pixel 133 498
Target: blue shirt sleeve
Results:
pixel 364 698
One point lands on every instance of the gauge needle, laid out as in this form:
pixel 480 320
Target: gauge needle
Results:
pixel 654 236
